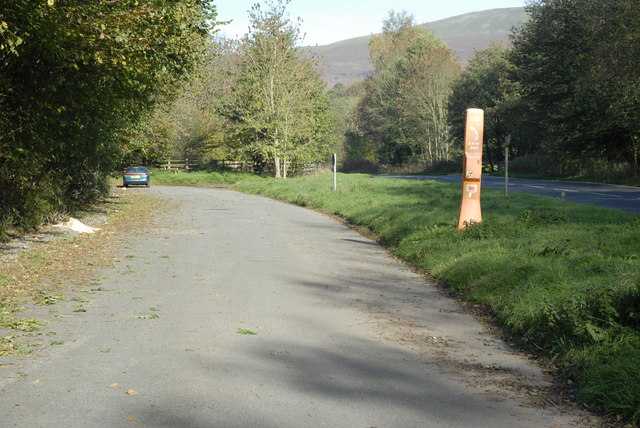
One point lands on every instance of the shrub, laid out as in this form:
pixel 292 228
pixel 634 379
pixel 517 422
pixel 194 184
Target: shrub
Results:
pixel 535 164
pixel 360 165
pixel 445 167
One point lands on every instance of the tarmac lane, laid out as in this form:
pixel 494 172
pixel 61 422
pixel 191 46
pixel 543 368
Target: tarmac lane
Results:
pixel 625 198
pixel 238 311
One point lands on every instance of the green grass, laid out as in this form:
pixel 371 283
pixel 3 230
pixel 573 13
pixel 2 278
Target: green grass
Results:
pixel 42 298
pixel 560 278
pixel 246 332
pixel 148 317
pixel 196 178
pixel 10 347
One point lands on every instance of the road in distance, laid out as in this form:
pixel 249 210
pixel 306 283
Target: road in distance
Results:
pixel 625 198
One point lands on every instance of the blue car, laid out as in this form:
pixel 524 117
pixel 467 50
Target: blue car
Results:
pixel 136 175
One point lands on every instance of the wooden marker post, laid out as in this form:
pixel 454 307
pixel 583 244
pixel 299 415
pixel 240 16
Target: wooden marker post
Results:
pixel 470 211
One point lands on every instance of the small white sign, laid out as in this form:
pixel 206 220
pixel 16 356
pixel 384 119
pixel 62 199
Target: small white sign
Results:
pixel 471 189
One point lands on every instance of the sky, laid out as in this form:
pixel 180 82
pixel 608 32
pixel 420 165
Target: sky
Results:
pixel 329 21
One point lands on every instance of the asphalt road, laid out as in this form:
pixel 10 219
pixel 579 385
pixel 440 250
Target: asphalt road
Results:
pixel 346 336
pixel 624 198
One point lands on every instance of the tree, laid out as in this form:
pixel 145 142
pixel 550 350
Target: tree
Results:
pixel 344 100
pixel 427 72
pixel 203 132
pixel 74 76
pixel 377 116
pixel 487 84
pixel 577 63
pixel 279 106
pixel 615 75
pixel 402 112
pixel 399 30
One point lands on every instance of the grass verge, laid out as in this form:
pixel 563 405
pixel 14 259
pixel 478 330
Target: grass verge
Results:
pixel 562 279
pixel 200 178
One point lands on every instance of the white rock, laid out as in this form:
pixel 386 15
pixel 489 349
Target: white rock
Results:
pixel 76 226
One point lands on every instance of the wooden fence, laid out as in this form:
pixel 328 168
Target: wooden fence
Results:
pixel 177 165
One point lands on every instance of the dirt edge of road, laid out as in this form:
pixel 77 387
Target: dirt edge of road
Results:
pixel 51 265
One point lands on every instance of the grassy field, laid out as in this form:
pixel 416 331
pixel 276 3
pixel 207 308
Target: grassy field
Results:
pixel 561 279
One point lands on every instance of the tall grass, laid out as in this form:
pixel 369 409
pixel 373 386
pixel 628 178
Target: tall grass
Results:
pixel 200 177
pixel 562 279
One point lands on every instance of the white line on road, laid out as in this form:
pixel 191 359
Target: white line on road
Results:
pixel 605 194
pixel 567 190
pixel 535 187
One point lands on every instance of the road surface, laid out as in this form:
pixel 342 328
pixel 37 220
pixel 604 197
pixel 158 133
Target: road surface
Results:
pixel 345 336
pixel 624 198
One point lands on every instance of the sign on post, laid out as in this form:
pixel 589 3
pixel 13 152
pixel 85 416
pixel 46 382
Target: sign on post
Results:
pixel 335 172
pixel 507 142
pixel 470 210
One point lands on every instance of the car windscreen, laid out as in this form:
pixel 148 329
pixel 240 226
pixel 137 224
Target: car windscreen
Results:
pixel 136 169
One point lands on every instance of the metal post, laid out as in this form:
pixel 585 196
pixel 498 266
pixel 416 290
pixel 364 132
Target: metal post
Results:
pixel 507 141
pixel 335 172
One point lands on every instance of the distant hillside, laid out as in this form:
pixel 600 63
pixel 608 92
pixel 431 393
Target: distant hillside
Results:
pixel 348 61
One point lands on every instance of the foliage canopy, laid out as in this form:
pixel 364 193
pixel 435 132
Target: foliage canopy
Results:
pixel 76 77
pixel 281 113
pixel 402 114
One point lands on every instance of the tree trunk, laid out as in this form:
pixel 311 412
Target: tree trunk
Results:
pixel 285 167
pixel 272 110
pixel 276 164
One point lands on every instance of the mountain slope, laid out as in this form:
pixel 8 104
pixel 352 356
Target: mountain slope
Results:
pixel 348 61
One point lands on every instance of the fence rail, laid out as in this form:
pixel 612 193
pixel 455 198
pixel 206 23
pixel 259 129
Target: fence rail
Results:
pixel 177 165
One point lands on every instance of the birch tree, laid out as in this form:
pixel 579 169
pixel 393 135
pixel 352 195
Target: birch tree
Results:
pixel 403 111
pixel 279 105
pixel 428 71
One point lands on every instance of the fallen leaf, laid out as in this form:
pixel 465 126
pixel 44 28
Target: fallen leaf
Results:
pixel 132 392
pixel 130 418
pixel 113 385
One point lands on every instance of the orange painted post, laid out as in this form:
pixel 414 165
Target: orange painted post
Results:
pixel 470 211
